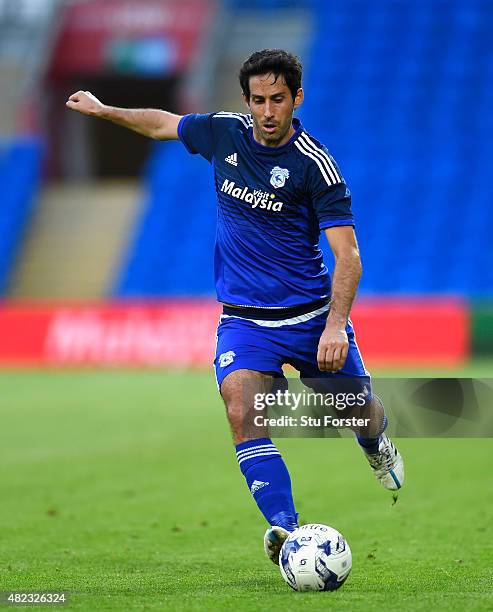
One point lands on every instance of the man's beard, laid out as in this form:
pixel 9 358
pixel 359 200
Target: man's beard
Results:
pixel 272 138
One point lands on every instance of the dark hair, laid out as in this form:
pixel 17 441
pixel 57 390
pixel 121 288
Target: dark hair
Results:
pixel 275 61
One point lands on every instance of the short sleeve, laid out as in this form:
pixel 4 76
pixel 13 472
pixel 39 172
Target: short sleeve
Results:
pixel 329 194
pixel 196 133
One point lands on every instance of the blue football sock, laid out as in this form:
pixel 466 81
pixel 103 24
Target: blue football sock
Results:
pixel 268 480
pixel 370 445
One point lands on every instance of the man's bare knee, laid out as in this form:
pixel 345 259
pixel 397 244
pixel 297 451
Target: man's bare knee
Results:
pixel 238 391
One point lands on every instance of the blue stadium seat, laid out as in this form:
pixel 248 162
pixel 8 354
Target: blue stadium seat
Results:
pixel 20 170
pixel 408 84
pixel 171 252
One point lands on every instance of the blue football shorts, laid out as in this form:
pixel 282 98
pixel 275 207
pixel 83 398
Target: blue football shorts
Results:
pixel 265 346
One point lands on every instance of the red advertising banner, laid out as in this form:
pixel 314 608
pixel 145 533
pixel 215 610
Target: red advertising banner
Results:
pixel 181 333
pixel 175 334
pixel 413 331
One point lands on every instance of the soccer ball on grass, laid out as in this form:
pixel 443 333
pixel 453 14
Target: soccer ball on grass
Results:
pixel 315 558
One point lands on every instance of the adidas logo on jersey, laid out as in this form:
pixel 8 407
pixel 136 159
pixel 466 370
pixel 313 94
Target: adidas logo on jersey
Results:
pixel 256 197
pixel 258 484
pixel 232 159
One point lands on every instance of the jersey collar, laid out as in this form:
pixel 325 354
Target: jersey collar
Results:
pixel 276 150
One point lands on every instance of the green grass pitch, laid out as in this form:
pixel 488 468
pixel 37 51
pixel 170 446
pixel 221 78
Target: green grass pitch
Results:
pixel 122 488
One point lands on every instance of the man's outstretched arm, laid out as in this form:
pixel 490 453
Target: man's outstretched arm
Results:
pixel 333 346
pixel 153 123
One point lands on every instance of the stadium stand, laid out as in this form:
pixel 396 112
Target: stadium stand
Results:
pixel 74 239
pixel 399 91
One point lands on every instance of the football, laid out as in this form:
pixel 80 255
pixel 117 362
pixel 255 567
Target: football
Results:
pixel 315 558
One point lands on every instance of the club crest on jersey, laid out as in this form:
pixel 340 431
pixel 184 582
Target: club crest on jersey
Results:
pixel 278 176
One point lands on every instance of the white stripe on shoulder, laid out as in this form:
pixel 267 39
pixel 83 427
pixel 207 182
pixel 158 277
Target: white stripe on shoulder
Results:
pixel 231 113
pixel 322 169
pixel 324 154
pixel 318 153
pixel 243 118
pixel 248 118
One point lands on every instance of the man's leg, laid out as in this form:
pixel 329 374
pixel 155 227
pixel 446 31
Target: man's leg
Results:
pixel 369 437
pixel 259 459
pixel 383 457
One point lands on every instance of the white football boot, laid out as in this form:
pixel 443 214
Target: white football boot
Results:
pixel 273 540
pixel 387 464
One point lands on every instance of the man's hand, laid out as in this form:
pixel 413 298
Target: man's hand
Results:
pixel 84 102
pixel 332 348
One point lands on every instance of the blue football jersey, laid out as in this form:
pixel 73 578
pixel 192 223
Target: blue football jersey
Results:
pixel 272 204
